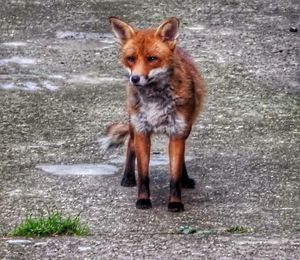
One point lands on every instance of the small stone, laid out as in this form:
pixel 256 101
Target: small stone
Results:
pixel 187 230
pixel 293 29
pixel 18 241
pixel 40 244
pixel 84 248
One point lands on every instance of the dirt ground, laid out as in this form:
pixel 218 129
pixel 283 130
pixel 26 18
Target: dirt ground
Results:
pixel 61 83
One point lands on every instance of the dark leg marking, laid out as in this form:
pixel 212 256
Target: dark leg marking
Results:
pixel 143 204
pixel 128 179
pixel 187 182
pixel 143 201
pixel 175 192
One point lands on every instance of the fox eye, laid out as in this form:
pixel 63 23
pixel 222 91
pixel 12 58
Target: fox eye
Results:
pixel 152 58
pixel 130 59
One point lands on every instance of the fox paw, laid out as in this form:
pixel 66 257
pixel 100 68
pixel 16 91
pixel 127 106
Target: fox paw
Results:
pixel 143 204
pixel 175 207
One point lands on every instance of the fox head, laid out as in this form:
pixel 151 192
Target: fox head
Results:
pixel 146 54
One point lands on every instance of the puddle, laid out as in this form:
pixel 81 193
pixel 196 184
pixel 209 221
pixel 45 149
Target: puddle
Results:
pixel 70 35
pixel 48 85
pixel 79 169
pixel 31 86
pixel 196 28
pixel 7 86
pixel 14 44
pixel 90 79
pixel 17 60
pixel 98 169
pixel 56 76
pixel 78 40
pixel 80 44
pixel 156 160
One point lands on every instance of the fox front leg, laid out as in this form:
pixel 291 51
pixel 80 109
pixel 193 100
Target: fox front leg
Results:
pixel 142 144
pixel 176 155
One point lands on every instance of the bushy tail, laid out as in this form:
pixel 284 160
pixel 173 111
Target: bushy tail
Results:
pixel 115 135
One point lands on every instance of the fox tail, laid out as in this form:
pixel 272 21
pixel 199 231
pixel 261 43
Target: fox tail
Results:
pixel 115 135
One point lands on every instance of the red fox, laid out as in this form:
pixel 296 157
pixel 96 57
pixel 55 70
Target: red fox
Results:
pixel 165 95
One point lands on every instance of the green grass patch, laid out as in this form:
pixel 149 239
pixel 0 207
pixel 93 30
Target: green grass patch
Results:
pixel 237 229
pixel 52 224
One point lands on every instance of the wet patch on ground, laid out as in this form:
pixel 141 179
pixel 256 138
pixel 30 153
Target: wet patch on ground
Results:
pixel 30 65
pixel 78 169
pixel 155 160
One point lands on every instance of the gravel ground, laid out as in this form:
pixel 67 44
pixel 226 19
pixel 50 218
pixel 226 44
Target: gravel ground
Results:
pixel 61 83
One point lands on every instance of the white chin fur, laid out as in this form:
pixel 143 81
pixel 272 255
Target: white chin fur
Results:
pixel 157 71
pixel 128 70
pixel 142 81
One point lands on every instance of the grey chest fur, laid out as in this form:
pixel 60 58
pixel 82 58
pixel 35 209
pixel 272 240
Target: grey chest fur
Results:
pixel 156 111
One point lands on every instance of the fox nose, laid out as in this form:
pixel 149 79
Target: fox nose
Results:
pixel 135 79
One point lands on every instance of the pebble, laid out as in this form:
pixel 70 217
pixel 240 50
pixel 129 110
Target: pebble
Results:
pixel 84 248
pixel 293 29
pixel 40 244
pixel 18 241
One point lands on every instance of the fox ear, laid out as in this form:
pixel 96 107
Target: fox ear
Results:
pixel 122 30
pixel 168 30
